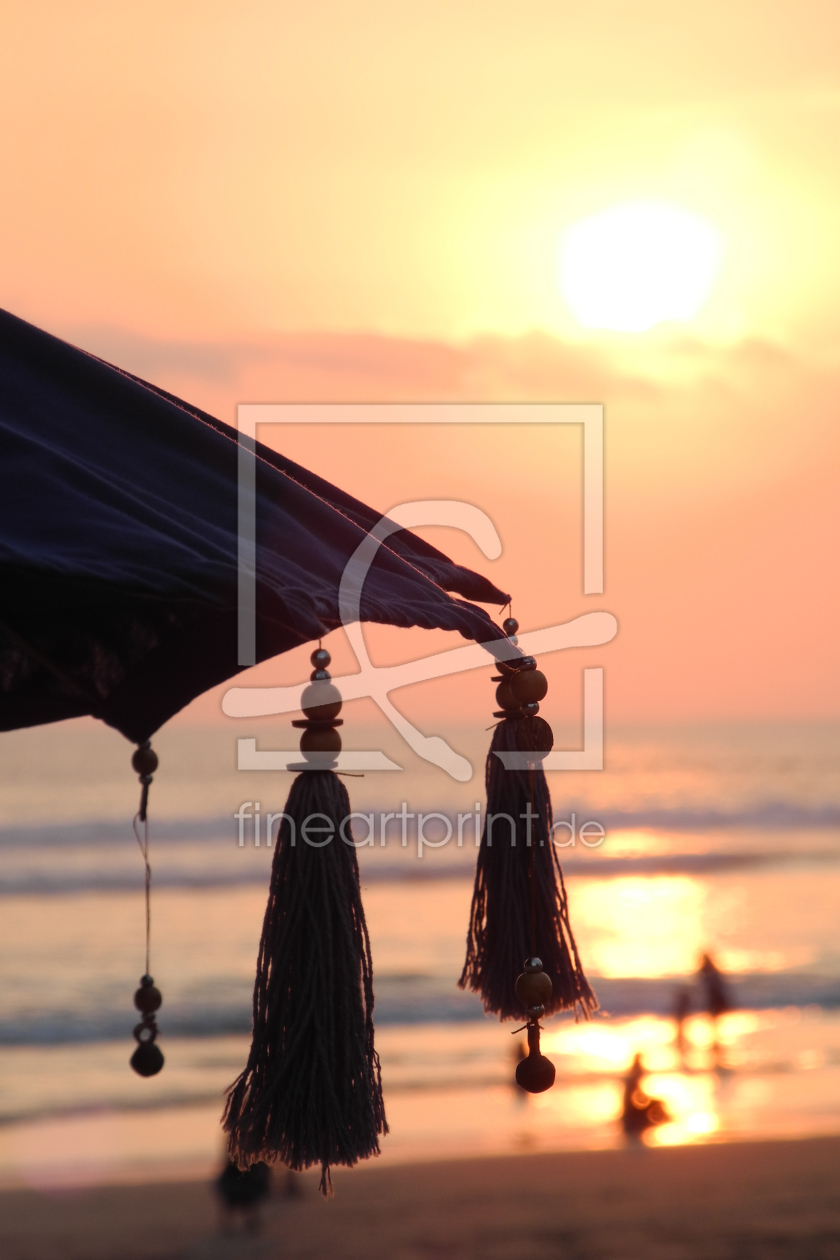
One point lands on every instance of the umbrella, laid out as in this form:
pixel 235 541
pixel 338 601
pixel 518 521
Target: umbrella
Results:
pixel 119 546
pixel 119 598
pixel 119 571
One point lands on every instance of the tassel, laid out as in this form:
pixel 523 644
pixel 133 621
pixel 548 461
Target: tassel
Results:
pixel 519 907
pixel 311 1092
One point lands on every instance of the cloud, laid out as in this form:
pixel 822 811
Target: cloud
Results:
pixel 683 416
pixel 722 511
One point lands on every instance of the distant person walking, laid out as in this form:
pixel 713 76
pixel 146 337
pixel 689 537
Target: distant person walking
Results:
pixel 243 1191
pixel 716 997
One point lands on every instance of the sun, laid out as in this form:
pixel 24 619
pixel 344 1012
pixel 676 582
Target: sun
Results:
pixel 639 264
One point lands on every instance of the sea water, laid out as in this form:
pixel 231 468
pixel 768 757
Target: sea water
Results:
pixel 716 839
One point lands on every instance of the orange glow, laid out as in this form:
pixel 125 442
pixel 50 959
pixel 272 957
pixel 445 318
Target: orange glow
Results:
pixel 271 203
pixel 647 926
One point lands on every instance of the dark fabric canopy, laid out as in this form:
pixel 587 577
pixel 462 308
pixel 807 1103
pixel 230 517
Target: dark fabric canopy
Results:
pixel 118 547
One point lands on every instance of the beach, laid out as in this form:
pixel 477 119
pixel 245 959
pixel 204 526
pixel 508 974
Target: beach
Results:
pixel 441 398
pixel 721 840
pixel 746 1201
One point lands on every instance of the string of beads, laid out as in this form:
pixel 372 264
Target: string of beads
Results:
pixel 147 1059
pixel 520 688
pixel 320 742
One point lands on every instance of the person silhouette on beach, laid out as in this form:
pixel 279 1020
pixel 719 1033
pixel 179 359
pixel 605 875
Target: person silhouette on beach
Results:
pixel 717 1001
pixel 639 1112
pixel 243 1191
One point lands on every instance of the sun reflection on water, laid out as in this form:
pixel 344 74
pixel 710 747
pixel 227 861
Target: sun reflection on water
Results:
pixel 642 926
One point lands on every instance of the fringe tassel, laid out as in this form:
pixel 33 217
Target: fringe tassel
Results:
pixel 311 1092
pixel 507 923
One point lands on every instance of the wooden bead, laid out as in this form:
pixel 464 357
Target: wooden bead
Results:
pixel 144 760
pixel 147 998
pixel 504 697
pixel 530 710
pixel 320 658
pixel 323 740
pixel 533 988
pixel 321 700
pixel 532 964
pixel 534 735
pixel 529 686
pixel 147 1059
pixel 535 1074
pixel 510 626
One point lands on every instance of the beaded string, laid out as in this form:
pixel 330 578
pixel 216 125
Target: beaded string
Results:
pixel 531 872
pixel 145 762
pixel 141 821
pixel 147 1059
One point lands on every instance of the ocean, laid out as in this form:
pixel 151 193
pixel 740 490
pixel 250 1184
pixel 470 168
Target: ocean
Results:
pixel 718 839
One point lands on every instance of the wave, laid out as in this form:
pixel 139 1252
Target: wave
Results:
pixel 774 815
pixel 417 999
pixel 105 832
pixel 52 880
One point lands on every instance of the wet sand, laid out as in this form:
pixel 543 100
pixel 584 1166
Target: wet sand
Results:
pixel 750 1201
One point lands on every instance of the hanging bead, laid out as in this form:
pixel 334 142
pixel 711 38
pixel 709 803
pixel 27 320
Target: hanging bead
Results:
pixel 504 696
pixel 320 743
pixel 533 988
pixel 534 735
pixel 144 760
pixel 147 1059
pixel 529 686
pixel 510 626
pixel 536 1073
pixel 147 998
pixel 321 701
pixel 320 739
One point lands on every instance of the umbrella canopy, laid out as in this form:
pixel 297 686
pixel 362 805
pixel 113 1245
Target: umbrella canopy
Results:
pixel 119 546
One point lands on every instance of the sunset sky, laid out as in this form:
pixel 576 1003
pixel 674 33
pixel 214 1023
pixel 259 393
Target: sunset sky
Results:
pixel 256 202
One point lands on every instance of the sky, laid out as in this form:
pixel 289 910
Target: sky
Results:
pixel 260 202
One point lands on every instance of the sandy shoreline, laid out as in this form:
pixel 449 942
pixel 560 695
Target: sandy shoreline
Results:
pixel 747 1201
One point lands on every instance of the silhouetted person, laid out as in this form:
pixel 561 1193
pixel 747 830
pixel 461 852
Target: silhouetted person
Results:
pixel 243 1191
pixel 716 997
pixel 682 1009
pixel 639 1112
